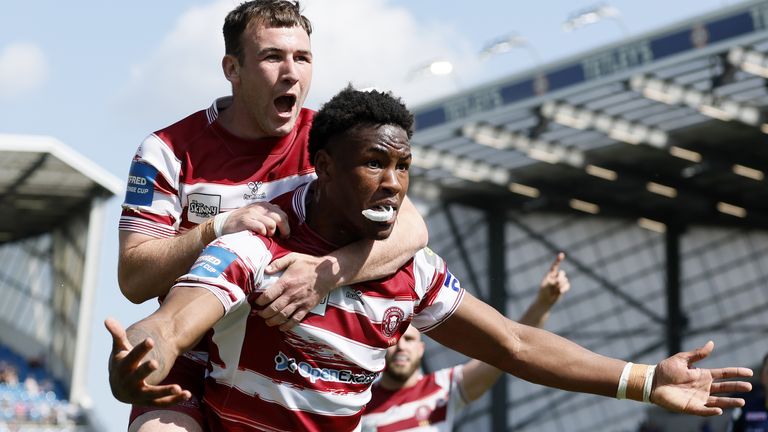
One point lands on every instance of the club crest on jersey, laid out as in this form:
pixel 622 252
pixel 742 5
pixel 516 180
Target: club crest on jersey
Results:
pixel 202 207
pixel 254 193
pixel 392 318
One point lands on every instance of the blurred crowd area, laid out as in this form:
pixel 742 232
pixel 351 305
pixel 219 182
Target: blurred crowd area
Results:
pixel 30 399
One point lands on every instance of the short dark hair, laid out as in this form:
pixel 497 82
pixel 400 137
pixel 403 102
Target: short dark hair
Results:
pixel 351 108
pixel 272 13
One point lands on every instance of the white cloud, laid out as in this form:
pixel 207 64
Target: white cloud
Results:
pixel 372 43
pixel 183 74
pixel 366 42
pixel 23 69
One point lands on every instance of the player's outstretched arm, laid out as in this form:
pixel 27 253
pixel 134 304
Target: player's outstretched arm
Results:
pixel 143 354
pixel 479 377
pixel 538 356
pixel 307 279
pixel 172 257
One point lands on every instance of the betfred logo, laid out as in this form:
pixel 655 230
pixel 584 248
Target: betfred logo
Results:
pixel 201 207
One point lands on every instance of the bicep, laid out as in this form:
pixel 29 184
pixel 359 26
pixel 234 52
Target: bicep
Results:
pixel 129 240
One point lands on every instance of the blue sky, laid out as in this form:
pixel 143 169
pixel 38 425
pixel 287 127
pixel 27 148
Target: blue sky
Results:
pixel 100 75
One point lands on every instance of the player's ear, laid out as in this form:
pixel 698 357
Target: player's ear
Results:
pixel 323 165
pixel 231 67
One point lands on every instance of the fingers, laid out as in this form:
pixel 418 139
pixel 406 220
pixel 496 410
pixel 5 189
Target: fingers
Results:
pixel 724 402
pixel 294 320
pixel 730 387
pixel 281 316
pixel 731 372
pixel 262 218
pixel 562 282
pixel 699 353
pixel 281 263
pixel 138 352
pixel 165 395
pixel 555 267
pixel 704 411
pixel 172 399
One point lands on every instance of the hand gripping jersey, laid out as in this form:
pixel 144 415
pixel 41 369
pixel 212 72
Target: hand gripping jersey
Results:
pixel 194 169
pixel 316 377
pixel 431 405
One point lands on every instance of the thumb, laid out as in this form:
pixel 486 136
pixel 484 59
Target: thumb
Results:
pixel 119 338
pixel 280 264
pixel 700 353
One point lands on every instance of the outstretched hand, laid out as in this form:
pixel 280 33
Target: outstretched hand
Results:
pixel 127 372
pixel 555 282
pixel 679 386
pixel 305 281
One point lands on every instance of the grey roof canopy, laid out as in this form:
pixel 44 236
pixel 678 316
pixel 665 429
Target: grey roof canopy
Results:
pixel 667 127
pixel 42 182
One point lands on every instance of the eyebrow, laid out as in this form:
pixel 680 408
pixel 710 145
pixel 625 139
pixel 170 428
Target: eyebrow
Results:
pixel 379 148
pixel 272 50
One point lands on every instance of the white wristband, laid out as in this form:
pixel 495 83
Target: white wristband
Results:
pixel 647 386
pixel 621 393
pixel 218 223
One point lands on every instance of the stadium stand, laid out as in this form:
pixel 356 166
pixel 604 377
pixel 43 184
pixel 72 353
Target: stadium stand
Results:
pixel 645 161
pixel 51 225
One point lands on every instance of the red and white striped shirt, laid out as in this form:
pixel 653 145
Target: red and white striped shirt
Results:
pixel 194 169
pixel 316 377
pixel 431 405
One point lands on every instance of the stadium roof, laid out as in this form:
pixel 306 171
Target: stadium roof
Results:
pixel 668 127
pixel 42 182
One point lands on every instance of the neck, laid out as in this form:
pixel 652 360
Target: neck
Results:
pixel 389 383
pixel 235 120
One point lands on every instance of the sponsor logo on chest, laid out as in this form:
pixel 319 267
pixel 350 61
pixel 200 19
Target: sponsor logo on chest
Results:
pixel 202 207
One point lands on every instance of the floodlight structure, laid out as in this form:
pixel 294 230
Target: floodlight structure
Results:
pixel 592 15
pixel 507 43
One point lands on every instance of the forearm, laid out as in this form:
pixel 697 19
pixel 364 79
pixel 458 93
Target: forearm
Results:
pixel 148 267
pixel 534 355
pixel 370 260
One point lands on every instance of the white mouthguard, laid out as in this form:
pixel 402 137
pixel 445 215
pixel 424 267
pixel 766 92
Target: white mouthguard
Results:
pixel 379 215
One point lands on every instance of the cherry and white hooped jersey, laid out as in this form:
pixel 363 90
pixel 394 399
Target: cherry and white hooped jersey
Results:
pixel 431 405
pixel 194 169
pixel 318 376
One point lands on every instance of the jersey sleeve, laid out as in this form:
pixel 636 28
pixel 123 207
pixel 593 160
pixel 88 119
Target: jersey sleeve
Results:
pixel 152 204
pixel 457 398
pixel 439 292
pixel 231 267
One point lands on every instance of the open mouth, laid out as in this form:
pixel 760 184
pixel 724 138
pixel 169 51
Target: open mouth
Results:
pixel 379 213
pixel 285 104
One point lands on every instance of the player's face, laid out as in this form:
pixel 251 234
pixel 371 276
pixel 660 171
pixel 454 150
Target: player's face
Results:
pixel 274 77
pixel 369 174
pixel 404 358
